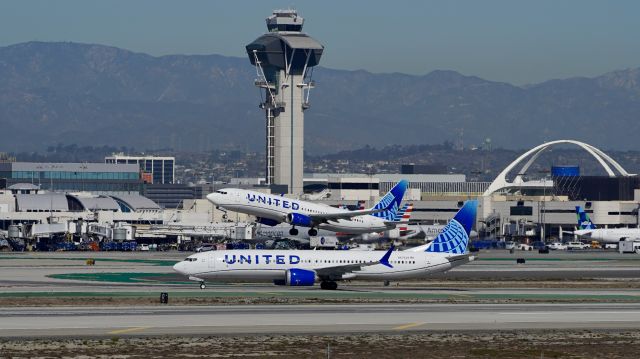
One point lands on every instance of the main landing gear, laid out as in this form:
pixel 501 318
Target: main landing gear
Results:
pixel 313 232
pixel 202 285
pixel 329 285
pixel 293 231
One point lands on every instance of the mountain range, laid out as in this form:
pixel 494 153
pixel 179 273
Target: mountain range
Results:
pixel 86 94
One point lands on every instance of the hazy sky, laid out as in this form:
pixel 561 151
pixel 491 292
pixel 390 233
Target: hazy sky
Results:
pixel 514 41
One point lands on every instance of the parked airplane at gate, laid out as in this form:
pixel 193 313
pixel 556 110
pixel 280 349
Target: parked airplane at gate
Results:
pixel 306 267
pixel 588 230
pixel 272 210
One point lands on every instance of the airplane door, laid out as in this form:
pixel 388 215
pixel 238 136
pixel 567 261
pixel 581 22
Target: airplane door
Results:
pixel 211 262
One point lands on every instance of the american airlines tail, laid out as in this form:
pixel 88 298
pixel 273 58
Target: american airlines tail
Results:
pixel 584 222
pixel 404 216
pixel 391 201
pixel 454 238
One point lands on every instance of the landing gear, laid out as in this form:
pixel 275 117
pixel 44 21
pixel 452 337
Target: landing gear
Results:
pixel 329 285
pixel 313 232
pixel 202 285
pixel 386 283
pixel 293 231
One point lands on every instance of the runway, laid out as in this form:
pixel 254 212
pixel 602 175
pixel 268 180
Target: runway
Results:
pixel 113 271
pixel 309 319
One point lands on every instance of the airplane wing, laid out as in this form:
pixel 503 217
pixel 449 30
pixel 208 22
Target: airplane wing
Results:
pixel 462 257
pixel 336 272
pixel 342 215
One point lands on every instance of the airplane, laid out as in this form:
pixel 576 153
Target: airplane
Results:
pixel 272 236
pixel 588 230
pixel 307 267
pixel 584 222
pixel 272 210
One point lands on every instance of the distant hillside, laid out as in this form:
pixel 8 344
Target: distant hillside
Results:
pixel 53 93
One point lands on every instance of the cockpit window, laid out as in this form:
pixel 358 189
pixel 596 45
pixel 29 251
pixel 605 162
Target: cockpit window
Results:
pixel 221 192
pixel 191 259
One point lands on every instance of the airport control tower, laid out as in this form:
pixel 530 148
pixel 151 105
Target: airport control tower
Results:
pixel 284 59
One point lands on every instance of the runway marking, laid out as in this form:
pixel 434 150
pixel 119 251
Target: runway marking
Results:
pixel 410 325
pixel 128 330
pixel 572 312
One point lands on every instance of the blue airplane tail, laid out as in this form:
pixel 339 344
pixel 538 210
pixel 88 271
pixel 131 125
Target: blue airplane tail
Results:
pixel 584 222
pixel 454 238
pixel 391 201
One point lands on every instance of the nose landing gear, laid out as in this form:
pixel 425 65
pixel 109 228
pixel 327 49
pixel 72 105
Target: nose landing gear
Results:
pixel 202 285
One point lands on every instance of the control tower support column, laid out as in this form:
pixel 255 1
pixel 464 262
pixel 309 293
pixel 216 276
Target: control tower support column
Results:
pixel 284 58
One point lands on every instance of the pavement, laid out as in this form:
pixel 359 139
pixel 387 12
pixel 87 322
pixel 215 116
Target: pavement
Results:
pixel 309 319
pixel 577 290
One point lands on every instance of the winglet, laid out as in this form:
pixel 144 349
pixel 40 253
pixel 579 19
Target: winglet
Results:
pixel 385 259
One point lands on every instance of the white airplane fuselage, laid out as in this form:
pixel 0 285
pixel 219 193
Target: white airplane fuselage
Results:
pixel 609 235
pixel 272 265
pixel 277 208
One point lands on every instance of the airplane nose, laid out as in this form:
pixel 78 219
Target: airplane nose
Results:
pixel 179 267
pixel 212 198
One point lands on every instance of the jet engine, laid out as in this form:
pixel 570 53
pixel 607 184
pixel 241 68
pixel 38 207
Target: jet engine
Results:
pixel 300 277
pixel 298 219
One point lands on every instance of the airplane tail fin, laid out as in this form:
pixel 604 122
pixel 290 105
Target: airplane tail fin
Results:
pixel 401 212
pixel 454 238
pixel 404 215
pixel 391 201
pixel 584 222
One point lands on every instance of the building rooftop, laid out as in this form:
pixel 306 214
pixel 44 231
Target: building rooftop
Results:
pixel 99 203
pixel 24 186
pixel 42 202
pixel 139 157
pixel 136 202
pixel 391 177
pixel 68 167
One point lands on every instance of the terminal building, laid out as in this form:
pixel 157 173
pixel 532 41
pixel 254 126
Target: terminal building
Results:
pixel 515 205
pixel 153 169
pixel 73 177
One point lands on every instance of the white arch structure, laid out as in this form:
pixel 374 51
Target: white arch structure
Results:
pixel 501 180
